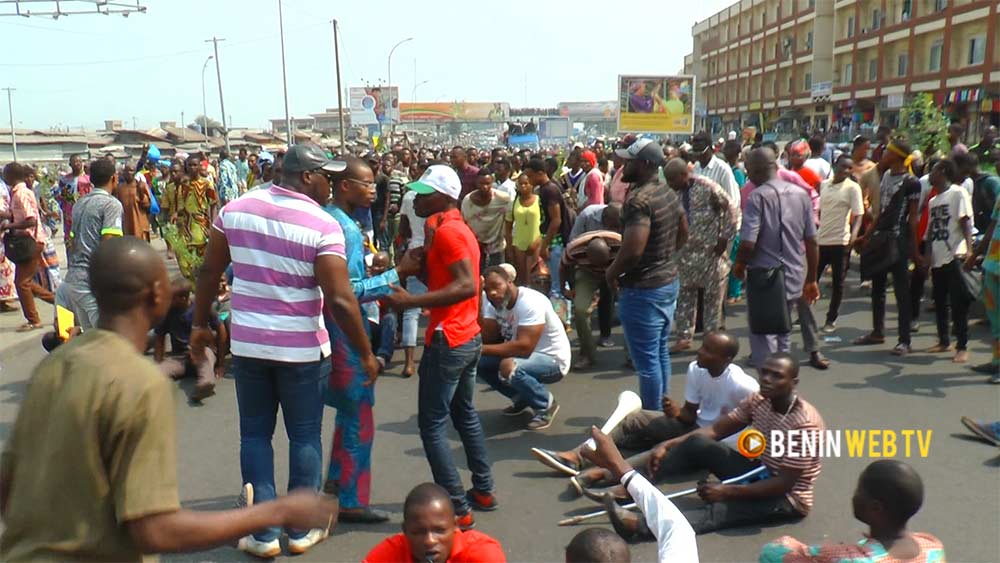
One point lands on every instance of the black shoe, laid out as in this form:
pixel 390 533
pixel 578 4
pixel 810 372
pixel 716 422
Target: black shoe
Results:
pixel 367 515
pixel 552 459
pixel 517 409
pixel 819 361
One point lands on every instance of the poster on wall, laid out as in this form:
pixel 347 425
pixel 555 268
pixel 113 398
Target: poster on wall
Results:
pixel 656 104
pixel 374 105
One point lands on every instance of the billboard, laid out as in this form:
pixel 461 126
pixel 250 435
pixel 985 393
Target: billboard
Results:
pixel 496 112
pixel 656 104
pixel 374 105
pixel 588 111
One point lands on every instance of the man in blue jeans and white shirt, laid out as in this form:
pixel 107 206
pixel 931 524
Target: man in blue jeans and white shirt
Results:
pixel 525 347
pixel 654 227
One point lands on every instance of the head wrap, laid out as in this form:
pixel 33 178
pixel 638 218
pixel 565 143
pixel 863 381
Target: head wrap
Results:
pixel 907 157
pixel 590 157
pixel 799 148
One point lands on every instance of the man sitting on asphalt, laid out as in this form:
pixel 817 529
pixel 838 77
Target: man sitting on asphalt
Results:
pixel 785 493
pixel 715 386
pixel 430 534
pixel 525 347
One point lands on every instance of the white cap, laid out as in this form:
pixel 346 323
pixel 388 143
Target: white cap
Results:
pixel 439 178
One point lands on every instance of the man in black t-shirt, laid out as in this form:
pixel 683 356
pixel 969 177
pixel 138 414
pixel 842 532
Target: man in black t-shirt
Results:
pixel 557 222
pixel 654 225
pixel 899 194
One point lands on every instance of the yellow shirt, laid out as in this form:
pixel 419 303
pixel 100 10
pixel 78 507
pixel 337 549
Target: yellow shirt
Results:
pixel 527 223
pixel 94 446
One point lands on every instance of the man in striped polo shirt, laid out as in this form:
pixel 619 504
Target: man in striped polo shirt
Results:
pixel 785 493
pixel 288 258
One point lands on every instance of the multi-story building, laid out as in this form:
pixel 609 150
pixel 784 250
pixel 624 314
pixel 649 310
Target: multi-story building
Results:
pixel 788 65
pixel 886 50
pixel 758 61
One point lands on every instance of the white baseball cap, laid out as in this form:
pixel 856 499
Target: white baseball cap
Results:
pixel 439 178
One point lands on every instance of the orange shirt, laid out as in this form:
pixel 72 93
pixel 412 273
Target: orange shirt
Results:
pixel 447 240
pixel 468 547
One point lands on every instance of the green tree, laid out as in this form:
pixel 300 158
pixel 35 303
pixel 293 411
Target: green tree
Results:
pixel 924 125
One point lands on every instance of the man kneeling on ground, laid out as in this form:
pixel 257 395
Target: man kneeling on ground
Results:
pixel 430 534
pixel 786 492
pixel 525 347
pixel 715 386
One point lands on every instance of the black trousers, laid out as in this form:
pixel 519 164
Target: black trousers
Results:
pixel 697 453
pixel 918 278
pixel 949 292
pixel 836 258
pixel 901 288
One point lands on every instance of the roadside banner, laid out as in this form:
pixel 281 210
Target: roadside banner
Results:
pixel 656 104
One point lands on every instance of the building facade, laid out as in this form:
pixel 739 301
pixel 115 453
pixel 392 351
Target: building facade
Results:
pixel 786 66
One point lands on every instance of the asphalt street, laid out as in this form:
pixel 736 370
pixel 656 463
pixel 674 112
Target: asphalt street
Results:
pixel 866 388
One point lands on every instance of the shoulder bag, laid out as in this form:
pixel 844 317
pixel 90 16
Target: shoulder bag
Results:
pixel 767 301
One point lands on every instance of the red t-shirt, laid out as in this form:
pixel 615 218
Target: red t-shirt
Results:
pixel 468 547
pixel 447 240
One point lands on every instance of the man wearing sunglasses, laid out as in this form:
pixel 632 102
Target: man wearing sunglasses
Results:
pixel 289 257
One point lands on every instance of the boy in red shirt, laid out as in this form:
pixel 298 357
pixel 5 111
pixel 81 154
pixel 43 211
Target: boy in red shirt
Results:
pixel 452 344
pixel 430 534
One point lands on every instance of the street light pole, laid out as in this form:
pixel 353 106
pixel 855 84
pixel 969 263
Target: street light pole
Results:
pixel 340 90
pixel 392 127
pixel 284 78
pixel 414 98
pixel 222 103
pixel 204 106
pixel 10 110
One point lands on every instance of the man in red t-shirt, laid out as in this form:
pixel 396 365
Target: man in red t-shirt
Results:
pixel 430 534
pixel 452 344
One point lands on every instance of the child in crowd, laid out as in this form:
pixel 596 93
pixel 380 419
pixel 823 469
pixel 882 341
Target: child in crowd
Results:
pixel 177 324
pixel 383 331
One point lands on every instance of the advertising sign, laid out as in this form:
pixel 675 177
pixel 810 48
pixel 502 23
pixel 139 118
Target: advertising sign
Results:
pixel 656 104
pixel 588 111
pixel 374 105
pixel 496 112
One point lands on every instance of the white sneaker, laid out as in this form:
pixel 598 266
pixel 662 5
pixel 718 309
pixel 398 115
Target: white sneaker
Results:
pixel 303 544
pixel 257 548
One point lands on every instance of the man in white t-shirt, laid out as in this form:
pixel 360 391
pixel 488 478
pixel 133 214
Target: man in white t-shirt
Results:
pixel 949 238
pixel 841 207
pixel 816 163
pixel 525 347
pixel 715 385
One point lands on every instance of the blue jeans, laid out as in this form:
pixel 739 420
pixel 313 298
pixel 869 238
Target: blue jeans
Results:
pixel 262 385
pixel 447 382
pixel 411 317
pixel 527 383
pixel 646 315
pixel 556 285
pixel 384 336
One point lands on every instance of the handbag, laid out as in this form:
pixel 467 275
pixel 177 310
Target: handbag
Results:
pixel 767 302
pixel 882 250
pixel 19 248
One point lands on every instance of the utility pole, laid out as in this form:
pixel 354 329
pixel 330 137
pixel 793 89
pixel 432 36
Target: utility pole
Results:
pixel 392 122
pixel 183 129
pixel 284 76
pixel 340 91
pixel 218 75
pixel 10 109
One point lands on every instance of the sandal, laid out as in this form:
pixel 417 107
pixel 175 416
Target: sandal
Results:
pixel 5 308
pixel 900 349
pixel 868 340
pixel 28 327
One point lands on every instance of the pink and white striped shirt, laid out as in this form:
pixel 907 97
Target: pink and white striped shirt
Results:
pixel 275 236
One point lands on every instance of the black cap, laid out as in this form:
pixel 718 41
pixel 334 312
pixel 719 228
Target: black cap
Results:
pixel 306 157
pixel 643 149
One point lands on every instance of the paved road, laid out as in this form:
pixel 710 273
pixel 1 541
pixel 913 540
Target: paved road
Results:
pixel 866 388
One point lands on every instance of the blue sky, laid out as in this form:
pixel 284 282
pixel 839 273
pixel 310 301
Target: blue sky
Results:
pixel 79 70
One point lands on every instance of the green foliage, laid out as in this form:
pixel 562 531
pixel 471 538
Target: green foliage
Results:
pixel 924 125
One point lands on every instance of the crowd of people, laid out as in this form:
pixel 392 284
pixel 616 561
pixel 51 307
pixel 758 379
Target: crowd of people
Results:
pixel 301 272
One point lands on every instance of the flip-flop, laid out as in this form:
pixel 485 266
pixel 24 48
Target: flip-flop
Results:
pixel 28 327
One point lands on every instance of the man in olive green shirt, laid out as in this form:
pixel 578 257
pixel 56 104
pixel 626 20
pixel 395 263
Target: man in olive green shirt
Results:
pixel 89 472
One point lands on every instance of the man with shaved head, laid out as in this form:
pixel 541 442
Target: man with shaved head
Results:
pixel 778 231
pixel 889 492
pixel 430 534
pixel 111 426
pixel 597 545
pixel 703 263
